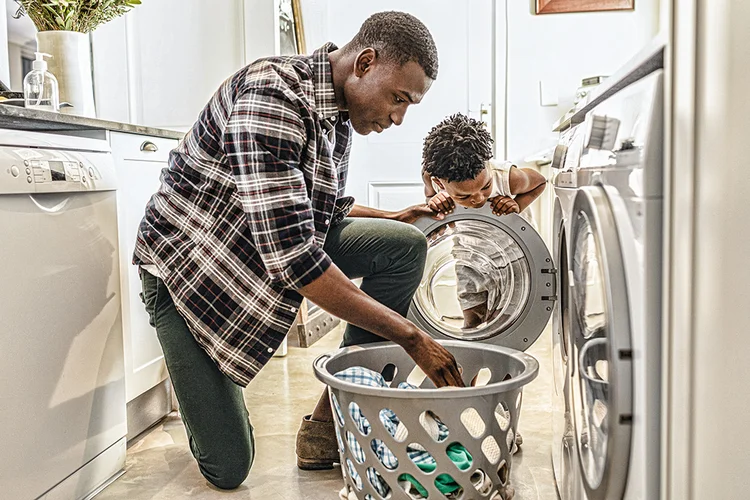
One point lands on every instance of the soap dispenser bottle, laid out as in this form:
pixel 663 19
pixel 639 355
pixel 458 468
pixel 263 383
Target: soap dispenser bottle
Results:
pixel 40 89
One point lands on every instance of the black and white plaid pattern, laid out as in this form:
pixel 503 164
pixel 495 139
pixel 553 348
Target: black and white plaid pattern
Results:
pixel 242 213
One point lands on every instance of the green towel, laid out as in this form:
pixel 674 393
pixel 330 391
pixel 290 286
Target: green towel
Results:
pixel 444 482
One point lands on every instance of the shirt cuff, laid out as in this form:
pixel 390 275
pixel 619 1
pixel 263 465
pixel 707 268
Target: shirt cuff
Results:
pixel 343 207
pixel 305 269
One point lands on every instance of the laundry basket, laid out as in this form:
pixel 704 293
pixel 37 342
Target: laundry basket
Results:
pixel 428 443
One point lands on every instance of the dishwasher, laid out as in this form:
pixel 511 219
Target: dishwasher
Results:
pixel 62 388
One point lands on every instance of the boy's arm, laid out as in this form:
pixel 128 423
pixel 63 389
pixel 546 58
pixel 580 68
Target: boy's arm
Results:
pixel 526 184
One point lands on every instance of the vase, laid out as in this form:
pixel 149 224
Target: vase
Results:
pixel 71 65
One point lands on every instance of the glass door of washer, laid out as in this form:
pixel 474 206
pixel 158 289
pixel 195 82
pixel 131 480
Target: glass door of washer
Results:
pixel 602 375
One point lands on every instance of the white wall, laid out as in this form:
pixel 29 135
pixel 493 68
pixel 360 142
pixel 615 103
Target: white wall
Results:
pixel 561 49
pixel 4 68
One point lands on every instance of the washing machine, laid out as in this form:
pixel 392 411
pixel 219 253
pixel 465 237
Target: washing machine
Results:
pixel 564 166
pixel 487 279
pixel 615 260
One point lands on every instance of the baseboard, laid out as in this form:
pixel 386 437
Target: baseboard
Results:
pixel 149 408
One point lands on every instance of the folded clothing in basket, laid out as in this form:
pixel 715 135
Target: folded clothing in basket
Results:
pixel 423 459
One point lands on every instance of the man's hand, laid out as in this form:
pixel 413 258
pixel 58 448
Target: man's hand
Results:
pixel 504 205
pixel 411 214
pixel 441 203
pixel 435 361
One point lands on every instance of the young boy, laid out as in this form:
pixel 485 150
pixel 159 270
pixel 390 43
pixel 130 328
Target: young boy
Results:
pixel 458 169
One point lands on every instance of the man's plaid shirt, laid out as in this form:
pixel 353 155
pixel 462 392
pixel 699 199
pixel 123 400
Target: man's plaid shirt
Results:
pixel 242 213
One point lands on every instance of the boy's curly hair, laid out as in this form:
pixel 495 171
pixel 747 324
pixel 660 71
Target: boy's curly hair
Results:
pixel 456 149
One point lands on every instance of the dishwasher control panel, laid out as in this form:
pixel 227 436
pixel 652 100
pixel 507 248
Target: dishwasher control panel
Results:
pixel 36 170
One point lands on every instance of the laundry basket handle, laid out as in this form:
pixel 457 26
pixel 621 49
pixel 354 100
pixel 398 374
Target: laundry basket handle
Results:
pixel 321 360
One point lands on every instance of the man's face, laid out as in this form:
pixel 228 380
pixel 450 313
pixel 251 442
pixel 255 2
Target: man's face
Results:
pixel 472 193
pixel 379 92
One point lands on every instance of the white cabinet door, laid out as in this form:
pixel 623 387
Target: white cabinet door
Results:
pixel 138 174
pixel 166 59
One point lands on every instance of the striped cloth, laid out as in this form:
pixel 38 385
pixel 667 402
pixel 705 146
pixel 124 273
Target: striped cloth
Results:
pixel 421 458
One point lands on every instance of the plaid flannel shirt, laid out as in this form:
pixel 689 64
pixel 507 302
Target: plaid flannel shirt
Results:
pixel 239 221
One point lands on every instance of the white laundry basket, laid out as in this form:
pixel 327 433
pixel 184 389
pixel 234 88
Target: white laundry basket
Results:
pixel 481 422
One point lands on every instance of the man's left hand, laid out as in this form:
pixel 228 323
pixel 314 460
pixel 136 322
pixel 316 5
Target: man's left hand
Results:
pixel 504 205
pixel 411 214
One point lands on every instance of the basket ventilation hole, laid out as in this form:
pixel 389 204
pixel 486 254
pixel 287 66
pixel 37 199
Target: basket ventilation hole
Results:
pixel 447 479
pixel 491 450
pixel 378 483
pixel 419 455
pixel 503 472
pixel 411 486
pixel 389 372
pixel 337 410
pixel 473 422
pixel 355 448
pixel 502 415
pixel 482 378
pixel 358 418
pixel 354 475
pixel 482 482
pixel 434 426
pixel 393 425
pixel 416 377
pixel 384 454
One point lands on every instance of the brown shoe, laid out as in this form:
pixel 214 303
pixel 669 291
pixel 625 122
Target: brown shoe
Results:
pixel 316 445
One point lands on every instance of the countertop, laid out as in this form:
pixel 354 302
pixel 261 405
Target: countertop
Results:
pixel 18 118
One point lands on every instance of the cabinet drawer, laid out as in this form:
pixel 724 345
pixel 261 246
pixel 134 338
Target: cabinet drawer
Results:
pixel 141 147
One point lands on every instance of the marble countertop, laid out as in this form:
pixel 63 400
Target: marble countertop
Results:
pixel 18 118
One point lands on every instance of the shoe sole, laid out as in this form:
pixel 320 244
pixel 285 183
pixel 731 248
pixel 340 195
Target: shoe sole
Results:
pixel 304 464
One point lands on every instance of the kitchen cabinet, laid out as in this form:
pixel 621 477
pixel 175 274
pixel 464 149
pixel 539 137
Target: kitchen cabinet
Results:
pixel 138 161
pixel 161 63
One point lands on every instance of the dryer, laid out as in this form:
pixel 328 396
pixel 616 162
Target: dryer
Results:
pixel 616 294
pixel 564 459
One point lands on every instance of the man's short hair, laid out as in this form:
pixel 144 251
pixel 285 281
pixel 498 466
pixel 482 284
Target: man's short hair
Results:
pixel 456 149
pixel 398 37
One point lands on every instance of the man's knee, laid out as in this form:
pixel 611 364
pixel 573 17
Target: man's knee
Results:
pixel 410 243
pixel 233 471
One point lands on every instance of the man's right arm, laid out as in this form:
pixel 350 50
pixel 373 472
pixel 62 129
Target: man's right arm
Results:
pixel 264 155
pixel 354 306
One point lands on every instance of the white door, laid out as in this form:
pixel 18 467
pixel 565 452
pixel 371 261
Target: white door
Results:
pixel 139 161
pixel 385 168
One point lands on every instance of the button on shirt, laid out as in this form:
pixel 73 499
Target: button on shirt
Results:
pixel 240 219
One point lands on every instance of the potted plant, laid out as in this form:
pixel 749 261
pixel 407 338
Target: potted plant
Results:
pixel 63 32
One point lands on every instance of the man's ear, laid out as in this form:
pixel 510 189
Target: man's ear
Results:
pixel 438 182
pixel 364 61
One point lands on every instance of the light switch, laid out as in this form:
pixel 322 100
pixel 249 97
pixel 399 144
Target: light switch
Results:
pixel 547 93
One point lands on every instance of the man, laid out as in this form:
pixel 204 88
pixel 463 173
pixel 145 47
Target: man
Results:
pixel 250 218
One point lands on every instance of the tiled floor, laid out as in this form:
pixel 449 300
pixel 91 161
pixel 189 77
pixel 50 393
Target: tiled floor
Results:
pixel 160 466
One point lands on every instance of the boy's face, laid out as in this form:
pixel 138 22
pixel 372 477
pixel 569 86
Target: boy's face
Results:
pixel 472 193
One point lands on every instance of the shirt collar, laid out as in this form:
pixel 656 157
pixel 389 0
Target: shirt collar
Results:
pixel 325 95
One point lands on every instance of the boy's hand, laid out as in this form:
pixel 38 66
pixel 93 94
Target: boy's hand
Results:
pixel 504 205
pixel 441 203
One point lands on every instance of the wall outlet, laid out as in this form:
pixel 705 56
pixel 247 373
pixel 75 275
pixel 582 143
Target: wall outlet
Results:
pixel 547 93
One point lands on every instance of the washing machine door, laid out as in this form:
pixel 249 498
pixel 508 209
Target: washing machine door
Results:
pixel 488 278
pixel 602 376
